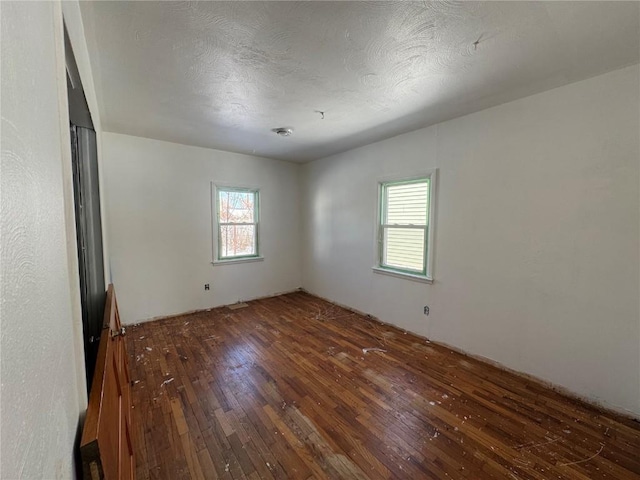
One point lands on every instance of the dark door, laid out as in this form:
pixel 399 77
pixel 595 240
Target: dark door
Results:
pixel 86 190
pixel 89 240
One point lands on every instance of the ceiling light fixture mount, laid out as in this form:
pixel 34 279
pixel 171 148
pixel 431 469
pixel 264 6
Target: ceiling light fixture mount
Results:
pixel 283 131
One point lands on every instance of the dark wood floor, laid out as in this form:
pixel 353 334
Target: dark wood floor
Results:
pixel 283 389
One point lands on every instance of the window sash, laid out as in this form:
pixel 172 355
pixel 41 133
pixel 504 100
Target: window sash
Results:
pixel 220 225
pixel 385 197
pixel 384 227
pixel 384 252
pixel 236 223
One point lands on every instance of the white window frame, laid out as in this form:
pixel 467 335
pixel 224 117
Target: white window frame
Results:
pixel 426 276
pixel 217 243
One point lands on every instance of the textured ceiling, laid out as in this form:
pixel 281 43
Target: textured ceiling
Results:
pixel 223 74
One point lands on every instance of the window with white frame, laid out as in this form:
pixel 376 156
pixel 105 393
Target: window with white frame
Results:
pixel 405 227
pixel 237 220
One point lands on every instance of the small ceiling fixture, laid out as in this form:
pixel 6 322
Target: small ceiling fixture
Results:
pixel 283 131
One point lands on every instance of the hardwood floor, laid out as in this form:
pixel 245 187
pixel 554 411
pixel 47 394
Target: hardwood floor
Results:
pixel 283 389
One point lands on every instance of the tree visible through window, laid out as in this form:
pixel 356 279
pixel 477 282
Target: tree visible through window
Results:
pixel 237 214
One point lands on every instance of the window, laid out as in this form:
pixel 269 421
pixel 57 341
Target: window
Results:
pixel 236 218
pixel 405 229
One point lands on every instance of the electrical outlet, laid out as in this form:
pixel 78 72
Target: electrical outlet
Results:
pixel 426 310
pixel 206 286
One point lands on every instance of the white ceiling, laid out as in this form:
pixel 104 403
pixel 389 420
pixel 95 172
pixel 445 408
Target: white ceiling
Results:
pixel 223 74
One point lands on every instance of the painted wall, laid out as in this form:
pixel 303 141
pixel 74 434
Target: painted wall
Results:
pixel 42 376
pixel 160 235
pixel 537 243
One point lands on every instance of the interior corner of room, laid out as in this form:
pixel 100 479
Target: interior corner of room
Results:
pixel 467 174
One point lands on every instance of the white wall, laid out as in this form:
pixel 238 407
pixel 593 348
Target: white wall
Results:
pixel 159 214
pixel 537 243
pixel 42 366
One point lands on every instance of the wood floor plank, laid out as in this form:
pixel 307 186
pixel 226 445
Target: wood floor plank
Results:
pixel 282 389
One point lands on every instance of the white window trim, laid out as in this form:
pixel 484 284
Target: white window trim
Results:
pixel 407 276
pixel 214 226
pixel 432 175
pixel 229 261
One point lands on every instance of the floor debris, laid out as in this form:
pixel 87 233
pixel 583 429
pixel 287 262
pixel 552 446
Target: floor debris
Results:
pixel 536 445
pixel 373 349
pixel 166 382
pixel 238 305
pixel 586 459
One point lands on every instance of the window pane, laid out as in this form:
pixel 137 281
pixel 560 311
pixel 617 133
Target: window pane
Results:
pixel 404 248
pixel 236 207
pixel 407 204
pixel 237 240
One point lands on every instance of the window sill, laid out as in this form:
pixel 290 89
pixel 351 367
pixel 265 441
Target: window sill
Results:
pixel 406 276
pixel 237 260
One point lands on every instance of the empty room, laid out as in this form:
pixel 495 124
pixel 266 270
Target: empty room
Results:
pixel 320 240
